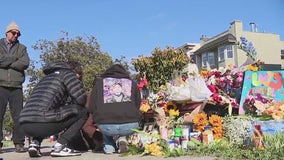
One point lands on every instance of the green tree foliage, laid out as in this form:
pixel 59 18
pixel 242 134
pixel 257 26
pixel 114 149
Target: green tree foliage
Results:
pixel 160 66
pixel 8 121
pixel 84 50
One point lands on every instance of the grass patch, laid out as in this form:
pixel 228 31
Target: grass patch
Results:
pixel 8 144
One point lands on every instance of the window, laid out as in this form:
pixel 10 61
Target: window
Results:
pixel 229 51
pixel 282 54
pixel 208 57
pixel 225 51
pixel 211 59
pixel 221 53
pixel 204 59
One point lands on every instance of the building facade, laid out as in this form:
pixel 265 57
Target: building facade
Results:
pixel 223 50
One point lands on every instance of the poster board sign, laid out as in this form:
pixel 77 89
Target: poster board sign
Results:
pixel 266 83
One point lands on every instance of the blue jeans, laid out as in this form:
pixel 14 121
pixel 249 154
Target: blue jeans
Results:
pixel 110 131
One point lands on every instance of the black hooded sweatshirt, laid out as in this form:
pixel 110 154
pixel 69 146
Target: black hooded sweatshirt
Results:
pixel 115 98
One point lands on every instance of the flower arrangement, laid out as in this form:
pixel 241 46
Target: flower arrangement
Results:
pixel 255 66
pixel 144 107
pixel 276 111
pixel 256 105
pixel 248 47
pixel 201 120
pixel 142 83
pixel 225 87
pixel 153 149
pixel 158 99
pixel 237 129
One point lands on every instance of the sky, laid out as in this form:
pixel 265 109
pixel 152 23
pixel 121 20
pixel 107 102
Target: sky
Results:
pixel 136 27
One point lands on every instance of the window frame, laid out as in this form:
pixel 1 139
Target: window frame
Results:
pixel 205 58
pixel 209 54
pixel 203 62
pixel 230 51
pixel 221 50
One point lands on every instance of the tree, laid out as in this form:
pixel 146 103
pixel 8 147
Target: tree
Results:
pixel 160 67
pixel 8 122
pixel 84 50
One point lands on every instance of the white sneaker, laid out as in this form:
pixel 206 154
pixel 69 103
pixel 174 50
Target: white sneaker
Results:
pixel 65 152
pixel 122 145
pixel 34 149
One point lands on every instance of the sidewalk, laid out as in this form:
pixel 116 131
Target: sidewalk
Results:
pixel 9 154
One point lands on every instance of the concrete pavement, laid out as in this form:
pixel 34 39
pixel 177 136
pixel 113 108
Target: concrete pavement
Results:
pixel 9 154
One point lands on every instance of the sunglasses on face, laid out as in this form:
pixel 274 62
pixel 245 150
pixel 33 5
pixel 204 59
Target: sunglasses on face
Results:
pixel 16 33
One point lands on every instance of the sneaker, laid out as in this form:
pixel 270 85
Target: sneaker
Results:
pixel 34 149
pixel 65 152
pixel 122 145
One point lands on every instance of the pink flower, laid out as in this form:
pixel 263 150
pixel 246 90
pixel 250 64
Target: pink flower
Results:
pixel 213 88
pixel 216 98
pixel 142 83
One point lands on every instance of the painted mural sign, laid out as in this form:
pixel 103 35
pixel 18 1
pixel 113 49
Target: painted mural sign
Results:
pixel 266 83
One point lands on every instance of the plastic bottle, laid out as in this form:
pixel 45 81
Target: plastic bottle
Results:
pixel 177 137
pixel 258 137
pixel 171 144
pixel 207 135
pixel 184 142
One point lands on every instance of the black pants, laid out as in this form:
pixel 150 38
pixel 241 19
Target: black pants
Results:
pixel 68 128
pixel 13 96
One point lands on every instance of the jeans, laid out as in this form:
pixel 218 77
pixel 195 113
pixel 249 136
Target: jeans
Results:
pixel 13 97
pixel 111 131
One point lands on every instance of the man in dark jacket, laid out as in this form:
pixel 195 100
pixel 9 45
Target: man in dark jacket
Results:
pixel 115 101
pixel 14 60
pixel 57 104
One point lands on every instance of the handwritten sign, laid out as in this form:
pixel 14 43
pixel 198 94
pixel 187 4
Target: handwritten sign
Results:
pixel 266 83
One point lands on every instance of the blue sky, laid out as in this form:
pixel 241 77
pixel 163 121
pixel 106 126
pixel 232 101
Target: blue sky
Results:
pixel 136 27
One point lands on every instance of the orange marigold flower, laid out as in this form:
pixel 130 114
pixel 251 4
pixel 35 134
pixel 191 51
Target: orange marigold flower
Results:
pixel 215 120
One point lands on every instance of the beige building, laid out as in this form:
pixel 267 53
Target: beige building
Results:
pixel 222 50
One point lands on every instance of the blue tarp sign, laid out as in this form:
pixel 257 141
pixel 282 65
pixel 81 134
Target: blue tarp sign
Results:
pixel 266 83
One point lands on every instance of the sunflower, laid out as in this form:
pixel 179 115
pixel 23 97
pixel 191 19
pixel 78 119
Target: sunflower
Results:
pixel 217 132
pixel 200 120
pixel 215 120
pixel 173 113
pixel 170 105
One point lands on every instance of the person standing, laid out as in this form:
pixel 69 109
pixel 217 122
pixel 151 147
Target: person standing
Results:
pixel 56 105
pixel 115 101
pixel 14 60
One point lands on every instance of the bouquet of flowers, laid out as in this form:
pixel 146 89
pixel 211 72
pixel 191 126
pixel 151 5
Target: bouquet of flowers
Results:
pixel 200 121
pixel 256 105
pixel 224 84
pixel 275 110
